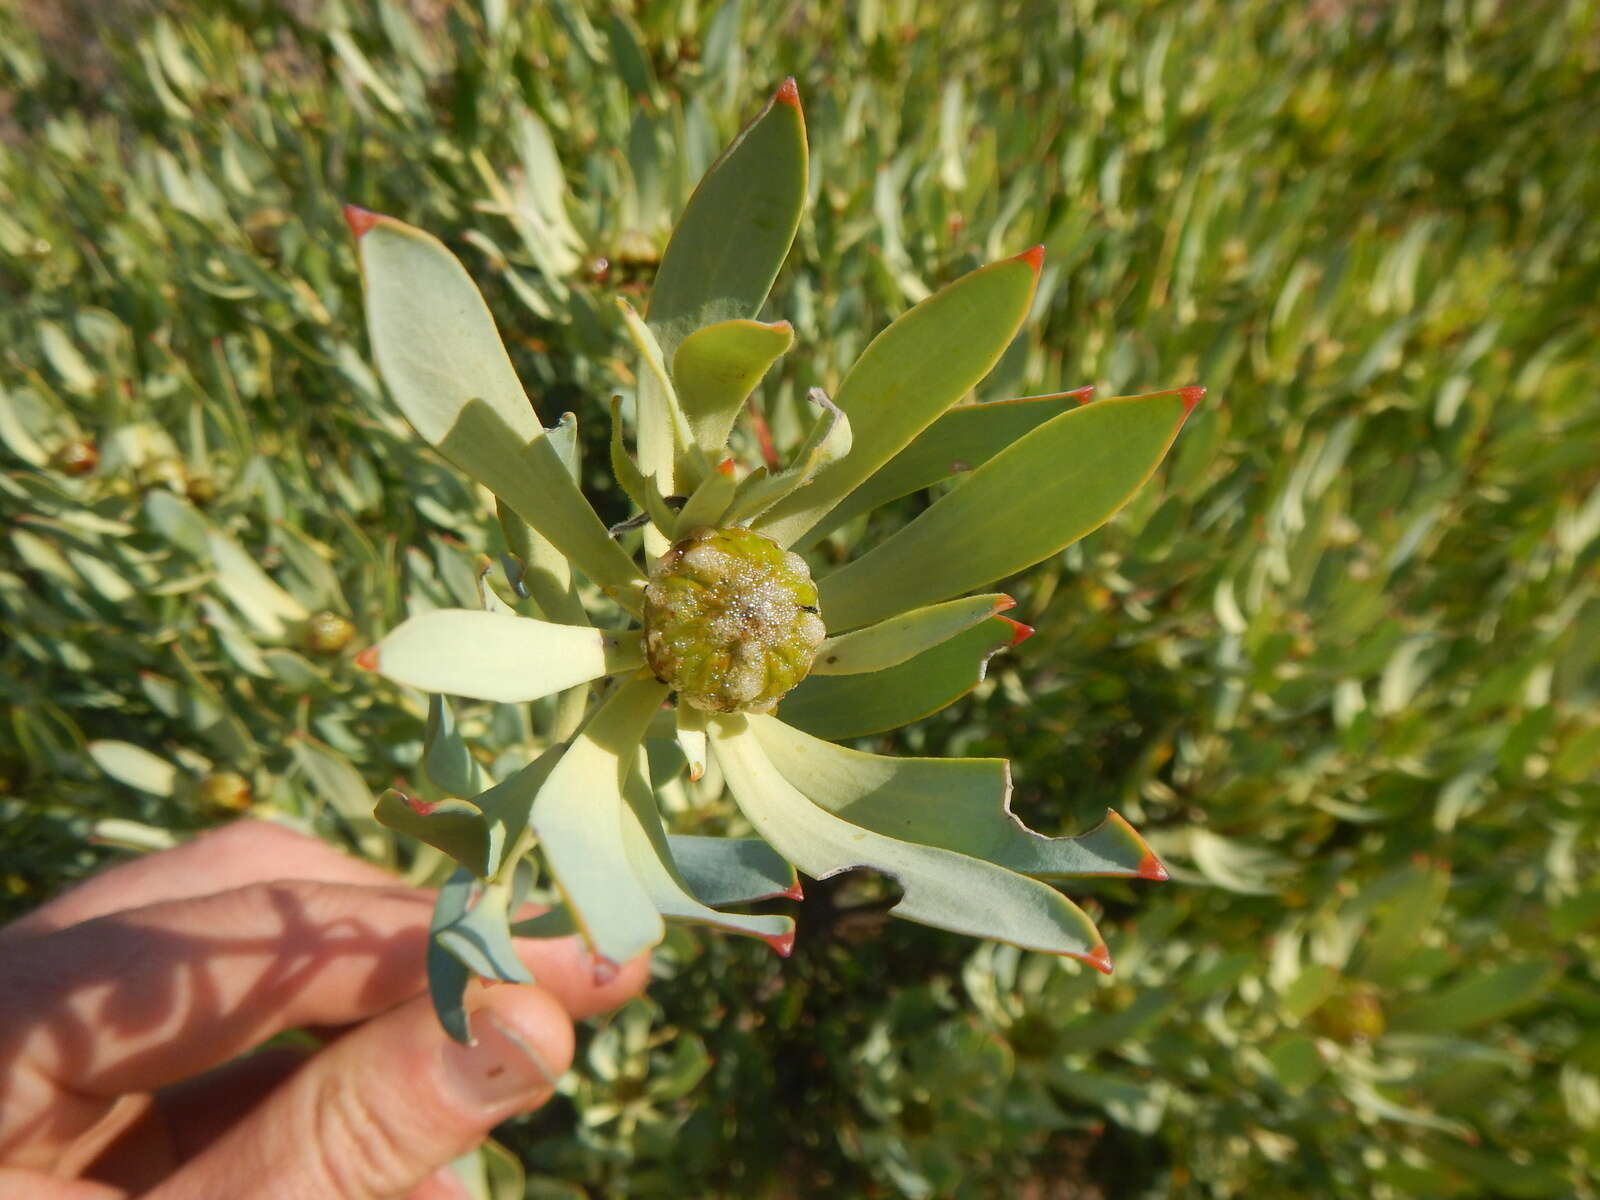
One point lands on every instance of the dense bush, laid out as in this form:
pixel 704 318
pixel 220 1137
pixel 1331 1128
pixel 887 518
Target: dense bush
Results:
pixel 1339 662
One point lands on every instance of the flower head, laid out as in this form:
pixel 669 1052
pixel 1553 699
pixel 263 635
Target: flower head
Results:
pixel 717 603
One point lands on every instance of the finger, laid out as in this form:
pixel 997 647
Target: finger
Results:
pixel 16 1184
pixel 186 1118
pixel 380 1111
pixel 138 1000
pixel 242 853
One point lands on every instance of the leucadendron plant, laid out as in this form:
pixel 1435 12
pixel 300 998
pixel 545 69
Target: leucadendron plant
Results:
pixel 718 632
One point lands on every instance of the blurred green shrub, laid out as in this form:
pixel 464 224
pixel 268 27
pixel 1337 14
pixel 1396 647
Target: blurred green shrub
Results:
pixel 1344 674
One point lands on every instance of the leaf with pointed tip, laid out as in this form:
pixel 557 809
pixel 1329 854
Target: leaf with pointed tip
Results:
pixel 722 871
pixel 496 656
pixel 650 855
pixel 911 373
pixel 961 804
pixel 961 440
pixel 829 441
pixel 438 351
pixel 644 493
pixel 578 817
pixel 716 369
pixel 664 437
pixel 690 733
pixel 890 643
pixel 480 939
pixel 546 575
pixel 1041 493
pixel 261 602
pixel 845 706
pixel 138 768
pixel 941 887
pixel 707 504
pixel 737 228
pixel 447 977
pixel 506 805
pixel 445 756
pixel 455 827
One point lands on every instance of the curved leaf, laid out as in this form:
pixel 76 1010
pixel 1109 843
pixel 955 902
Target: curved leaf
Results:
pixel 844 706
pixel 455 827
pixel 911 373
pixel 961 804
pixel 737 228
pixel 941 887
pixel 651 857
pixel 724 871
pixel 889 643
pixel 498 656
pixel 716 369
pixel 1041 493
pixel 578 817
pixel 961 440
pixel 438 351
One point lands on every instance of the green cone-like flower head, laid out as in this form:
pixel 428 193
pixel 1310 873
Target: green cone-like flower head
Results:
pixel 730 620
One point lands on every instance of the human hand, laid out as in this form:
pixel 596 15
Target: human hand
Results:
pixel 126 1003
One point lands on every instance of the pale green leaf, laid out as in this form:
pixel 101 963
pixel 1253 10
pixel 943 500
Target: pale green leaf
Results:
pixel 445 756
pixel 890 643
pixel 578 817
pixel 455 827
pixel 828 441
pixel 135 766
pixel 844 706
pixel 438 351
pixel 1042 493
pixel 723 871
pixel 961 804
pixel 911 373
pixel 736 229
pixel 499 656
pixel 707 505
pixel 480 939
pixel 961 440
pixel 716 369
pixel 650 855
pixel 447 977
pixel 941 887
pixel 265 605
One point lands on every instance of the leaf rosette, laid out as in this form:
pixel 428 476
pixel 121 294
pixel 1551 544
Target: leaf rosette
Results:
pixel 722 650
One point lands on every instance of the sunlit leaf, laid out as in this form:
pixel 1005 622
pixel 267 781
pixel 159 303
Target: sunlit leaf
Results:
pixel 941 888
pixel 499 656
pixel 961 804
pixel 910 374
pixel 1041 493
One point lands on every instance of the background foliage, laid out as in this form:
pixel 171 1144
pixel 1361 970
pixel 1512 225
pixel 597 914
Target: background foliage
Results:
pixel 1338 662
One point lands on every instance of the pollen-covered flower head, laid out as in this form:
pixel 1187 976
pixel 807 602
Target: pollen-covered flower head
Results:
pixel 732 632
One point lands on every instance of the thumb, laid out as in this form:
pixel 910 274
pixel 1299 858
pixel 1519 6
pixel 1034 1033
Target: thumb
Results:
pixel 381 1109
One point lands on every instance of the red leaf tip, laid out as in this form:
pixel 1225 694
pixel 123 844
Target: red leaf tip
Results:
pixel 725 467
pixel 1099 958
pixel 1084 394
pixel 1150 868
pixel 1034 258
pixel 1019 632
pixel 1004 603
pixel 788 93
pixel 783 943
pixel 794 893
pixel 367 660
pixel 418 805
pixel 359 219
pixel 1191 397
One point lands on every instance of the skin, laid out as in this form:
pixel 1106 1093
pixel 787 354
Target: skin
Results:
pixel 130 1008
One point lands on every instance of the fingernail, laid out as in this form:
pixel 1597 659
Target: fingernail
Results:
pixel 499 1066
